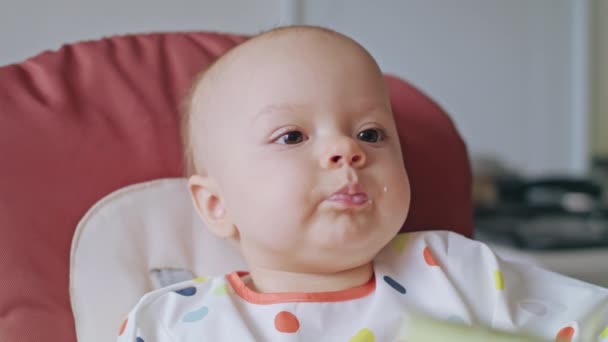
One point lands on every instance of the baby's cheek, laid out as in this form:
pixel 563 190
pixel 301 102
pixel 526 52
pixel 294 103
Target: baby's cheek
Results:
pixel 396 201
pixel 277 206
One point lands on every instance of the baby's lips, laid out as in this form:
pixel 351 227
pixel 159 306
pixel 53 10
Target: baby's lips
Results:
pixel 350 189
pixel 350 199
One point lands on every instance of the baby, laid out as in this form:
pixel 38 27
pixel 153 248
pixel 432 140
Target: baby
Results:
pixel 295 158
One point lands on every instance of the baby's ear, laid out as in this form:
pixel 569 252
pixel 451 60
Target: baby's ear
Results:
pixel 209 205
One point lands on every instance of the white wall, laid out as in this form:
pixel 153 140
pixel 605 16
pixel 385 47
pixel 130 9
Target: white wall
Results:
pixel 600 72
pixel 29 26
pixel 508 71
pixel 501 68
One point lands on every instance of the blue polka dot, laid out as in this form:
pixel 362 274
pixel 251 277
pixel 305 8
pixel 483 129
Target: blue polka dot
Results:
pixel 139 339
pixel 196 315
pixel 394 284
pixel 188 291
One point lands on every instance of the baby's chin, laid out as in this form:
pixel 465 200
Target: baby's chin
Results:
pixel 344 237
pixel 341 239
pixel 352 231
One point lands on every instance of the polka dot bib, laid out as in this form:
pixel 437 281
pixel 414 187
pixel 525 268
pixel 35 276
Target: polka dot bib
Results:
pixel 441 274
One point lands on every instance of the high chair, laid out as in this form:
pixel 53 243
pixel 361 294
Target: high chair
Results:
pixel 79 123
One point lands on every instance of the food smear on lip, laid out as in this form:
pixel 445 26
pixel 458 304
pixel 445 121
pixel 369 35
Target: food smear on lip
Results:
pixel 353 200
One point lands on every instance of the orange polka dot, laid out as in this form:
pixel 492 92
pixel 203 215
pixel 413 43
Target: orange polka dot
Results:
pixel 122 327
pixel 428 257
pixel 565 335
pixel 286 322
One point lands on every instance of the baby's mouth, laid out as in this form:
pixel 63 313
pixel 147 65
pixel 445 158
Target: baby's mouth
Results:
pixel 350 195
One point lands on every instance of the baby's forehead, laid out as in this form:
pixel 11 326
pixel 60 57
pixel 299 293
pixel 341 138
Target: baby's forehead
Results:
pixel 288 55
pixel 275 48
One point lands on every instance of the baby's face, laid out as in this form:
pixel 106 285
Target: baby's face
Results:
pixel 307 156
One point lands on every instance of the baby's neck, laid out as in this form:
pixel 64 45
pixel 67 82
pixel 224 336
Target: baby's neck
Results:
pixel 272 281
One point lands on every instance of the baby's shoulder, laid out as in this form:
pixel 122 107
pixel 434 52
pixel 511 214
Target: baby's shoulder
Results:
pixel 155 310
pixel 178 296
pixel 432 246
pixel 430 238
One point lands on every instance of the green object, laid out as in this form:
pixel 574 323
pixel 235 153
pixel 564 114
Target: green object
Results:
pixel 423 329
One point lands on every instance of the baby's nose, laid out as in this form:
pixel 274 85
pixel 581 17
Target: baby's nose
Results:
pixel 343 151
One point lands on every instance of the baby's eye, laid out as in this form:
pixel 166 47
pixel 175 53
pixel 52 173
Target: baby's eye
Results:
pixel 291 138
pixel 371 135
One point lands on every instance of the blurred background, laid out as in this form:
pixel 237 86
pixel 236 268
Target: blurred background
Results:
pixel 525 81
pixel 517 76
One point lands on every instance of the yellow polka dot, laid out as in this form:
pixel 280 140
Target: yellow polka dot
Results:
pixel 499 282
pixel 398 243
pixel 364 335
pixel 200 279
pixel 604 333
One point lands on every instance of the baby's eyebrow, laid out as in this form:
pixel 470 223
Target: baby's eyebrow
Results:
pixel 280 108
pixel 291 109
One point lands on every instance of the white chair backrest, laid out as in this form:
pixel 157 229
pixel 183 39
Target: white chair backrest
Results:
pixel 133 241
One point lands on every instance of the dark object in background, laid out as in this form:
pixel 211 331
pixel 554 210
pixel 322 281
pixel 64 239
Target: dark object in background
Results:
pixel 599 173
pixel 547 213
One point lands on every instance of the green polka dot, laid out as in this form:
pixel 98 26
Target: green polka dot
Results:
pixel 221 290
pixel 398 243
